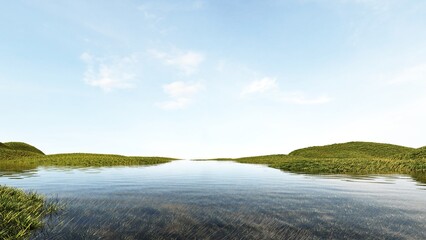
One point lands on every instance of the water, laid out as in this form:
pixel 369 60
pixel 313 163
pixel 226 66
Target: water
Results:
pixel 224 200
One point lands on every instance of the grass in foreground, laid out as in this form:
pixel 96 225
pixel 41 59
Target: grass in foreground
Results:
pixel 21 212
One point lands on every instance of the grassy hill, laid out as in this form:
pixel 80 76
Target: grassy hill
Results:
pixel 352 150
pixel 416 154
pixel 16 150
pixel 348 158
pixel 20 146
pixel 351 157
pixel 16 155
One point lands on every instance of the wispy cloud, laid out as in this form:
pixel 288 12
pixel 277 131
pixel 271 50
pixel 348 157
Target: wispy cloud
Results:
pixel 269 87
pixel 302 99
pixel 260 86
pixel 186 61
pixel 109 73
pixel 180 93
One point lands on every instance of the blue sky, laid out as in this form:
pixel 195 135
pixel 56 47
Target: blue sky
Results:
pixel 198 78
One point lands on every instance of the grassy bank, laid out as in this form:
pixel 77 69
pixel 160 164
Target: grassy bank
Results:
pixel 336 165
pixel 352 150
pixel 82 160
pixel 21 212
pixel 15 154
pixel 351 158
pixel 347 158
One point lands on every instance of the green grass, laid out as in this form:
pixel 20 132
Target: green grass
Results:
pixel 352 150
pixel 419 154
pixel 21 212
pixel 336 165
pixel 350 166
pixel 16 150
pixel 20 146
pixel 83 160
pixel 8 154
pixel 349 158
pixel 17 154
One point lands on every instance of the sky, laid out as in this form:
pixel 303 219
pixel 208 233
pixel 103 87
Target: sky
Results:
pixel 205 79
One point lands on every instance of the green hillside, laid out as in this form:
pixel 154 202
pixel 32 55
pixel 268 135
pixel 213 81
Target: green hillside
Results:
pixel 351 157
pixel 7 154
pixel 16 155
pixel 348 158
pixel 16 150
pixel 20 146
pixel 22 154
pixel 416 154
pixel 352 150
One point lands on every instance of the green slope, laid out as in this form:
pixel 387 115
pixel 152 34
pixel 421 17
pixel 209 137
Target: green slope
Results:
pixel 349 158
pixel 10 151
pixel 20 146
pixel 17 155
pixel 352 150
pixel 415 154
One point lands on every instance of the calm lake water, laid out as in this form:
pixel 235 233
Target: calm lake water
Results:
pixel 224 200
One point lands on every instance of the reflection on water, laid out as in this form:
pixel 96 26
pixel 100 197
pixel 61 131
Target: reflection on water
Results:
pixel 214 200
pixel 18 174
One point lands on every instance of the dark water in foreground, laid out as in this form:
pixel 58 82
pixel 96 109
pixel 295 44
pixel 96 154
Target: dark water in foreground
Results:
pixel 225 200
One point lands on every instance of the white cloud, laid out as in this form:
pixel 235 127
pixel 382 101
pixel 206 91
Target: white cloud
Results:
pixel 180 93
pixel 177 103
pixel 415 73
pixel 111 73
pixel 178 89
pixel 301 98
pixel 260 86
pixel 186 61
pixel 270 86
